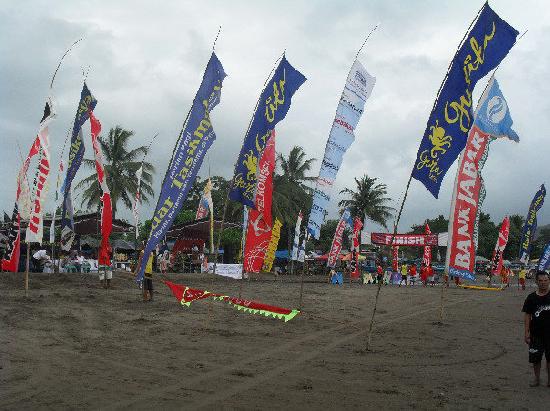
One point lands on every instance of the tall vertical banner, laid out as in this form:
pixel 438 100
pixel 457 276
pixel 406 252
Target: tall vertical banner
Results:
pixel 86 104
pixel 544 258
pixel 35 228
pixel 258 233
pixel 137 199
pixel 104 257
pixel 486 44
pixel 336 247
pixel 395 258
pixel 296 242
pixel 500 246
pixel 492 120
pixel 356 242
pixel 56 202
pixel 273 106
pixel 22 202
pixel 357 90
pixel 427 255
pixel 530 226
pixel 272 247
pixel 205 203
pixel 196 138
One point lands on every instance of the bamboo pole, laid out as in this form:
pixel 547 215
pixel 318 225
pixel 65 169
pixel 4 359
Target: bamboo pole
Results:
pixel 27 270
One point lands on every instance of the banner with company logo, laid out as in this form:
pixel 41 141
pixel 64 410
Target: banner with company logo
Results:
pixel 500 246
pixel 356 241
pixel 336 247
pixel 194 141
pixel 86 104
pixel 273 106
pixel 258 233
pixel 358 88
pixel 461 250
pixel 35 229
pixel 530 226
pixel 427 255
pixel 484 47
pixel 296 242
pixel 414 240
pixel 544 258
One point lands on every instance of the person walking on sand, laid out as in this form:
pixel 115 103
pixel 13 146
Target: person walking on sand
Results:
pixel 404 271
pixel 537 325
pixel 430 274
pixel 147 276
pixel 412 274
pixel 379 273
pixel 521 278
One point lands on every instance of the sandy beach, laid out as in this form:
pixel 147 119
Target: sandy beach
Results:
pixel 72 344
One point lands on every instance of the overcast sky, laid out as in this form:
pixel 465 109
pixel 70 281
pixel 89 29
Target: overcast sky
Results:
pixel 146 60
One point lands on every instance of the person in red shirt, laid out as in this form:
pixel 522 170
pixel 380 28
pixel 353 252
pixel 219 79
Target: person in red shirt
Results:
pixel 379 273
pixel 430 274
pixel 412 274
pixel 424 275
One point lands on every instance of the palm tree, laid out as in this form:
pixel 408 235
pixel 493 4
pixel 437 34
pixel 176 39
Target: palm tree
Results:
pixel 369 200
pixel 296 166
pixel 121 165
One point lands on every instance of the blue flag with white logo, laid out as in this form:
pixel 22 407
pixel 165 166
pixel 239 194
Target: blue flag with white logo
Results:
pixel 545 258
pixel 487 43
pixel 196 138
pixel 272 107
pixel 530 226
pixel 492 115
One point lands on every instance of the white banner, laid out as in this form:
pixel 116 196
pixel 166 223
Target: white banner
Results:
pixel 359 85
pixel 227 270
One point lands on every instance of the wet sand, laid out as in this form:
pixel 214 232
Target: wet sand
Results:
pixel 72 344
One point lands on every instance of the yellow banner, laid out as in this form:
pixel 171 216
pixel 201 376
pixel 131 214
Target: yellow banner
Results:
pixel 272 247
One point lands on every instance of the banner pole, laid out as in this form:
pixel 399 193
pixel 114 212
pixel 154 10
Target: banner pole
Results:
pixel 27 270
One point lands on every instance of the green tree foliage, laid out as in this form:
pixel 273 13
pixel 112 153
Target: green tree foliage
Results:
pixel 511 252
pixel 121 164
pixel 438 225
pixel 488 235
pixel 368 200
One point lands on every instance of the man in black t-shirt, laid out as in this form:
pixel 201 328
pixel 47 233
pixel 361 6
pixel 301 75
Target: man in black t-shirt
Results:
pixel 537 325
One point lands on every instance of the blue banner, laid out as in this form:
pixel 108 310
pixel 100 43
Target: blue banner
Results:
pixel 196 138
pixel 492 114
pixel 272 107
pixel 487 43
pixel 76 154
pixel 544 259
pixel 530 225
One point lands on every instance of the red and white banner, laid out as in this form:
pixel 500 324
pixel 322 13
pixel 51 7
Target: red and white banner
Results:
pixel 395 258
pixel 104 257
pixel 337 240
pixel 258 234
pixel 357 226
pixel 427 257
pixel 461 249
pixel 418 240
pixel 35 228
pixel 500 246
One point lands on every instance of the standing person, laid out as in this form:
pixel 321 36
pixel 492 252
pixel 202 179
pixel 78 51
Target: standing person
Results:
pixel 404 271
pixel 537 325
pixel 412 274
pixel 521 278
pixel 504 275
pixel 164 260
pixel 379 273
pixel 147 276
pixel 430 275
pixel 387 275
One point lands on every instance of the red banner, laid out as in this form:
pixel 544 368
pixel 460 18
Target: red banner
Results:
pixel 427 257
pixel 462 248
pixel 186 296
pixel 104 257
pixel 500 246
pixel 414 240
pixel 395 258
pixel 337 240
pixel 258 233
pixel 357 226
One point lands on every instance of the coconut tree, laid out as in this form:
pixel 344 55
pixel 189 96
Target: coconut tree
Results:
pixel 121 164
pixel 369 199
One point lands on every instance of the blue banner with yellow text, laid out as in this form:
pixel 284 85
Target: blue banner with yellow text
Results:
pixel 196 138
pixel 487 43
pixel 86 104
pixel 530 226
pixel 272 107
